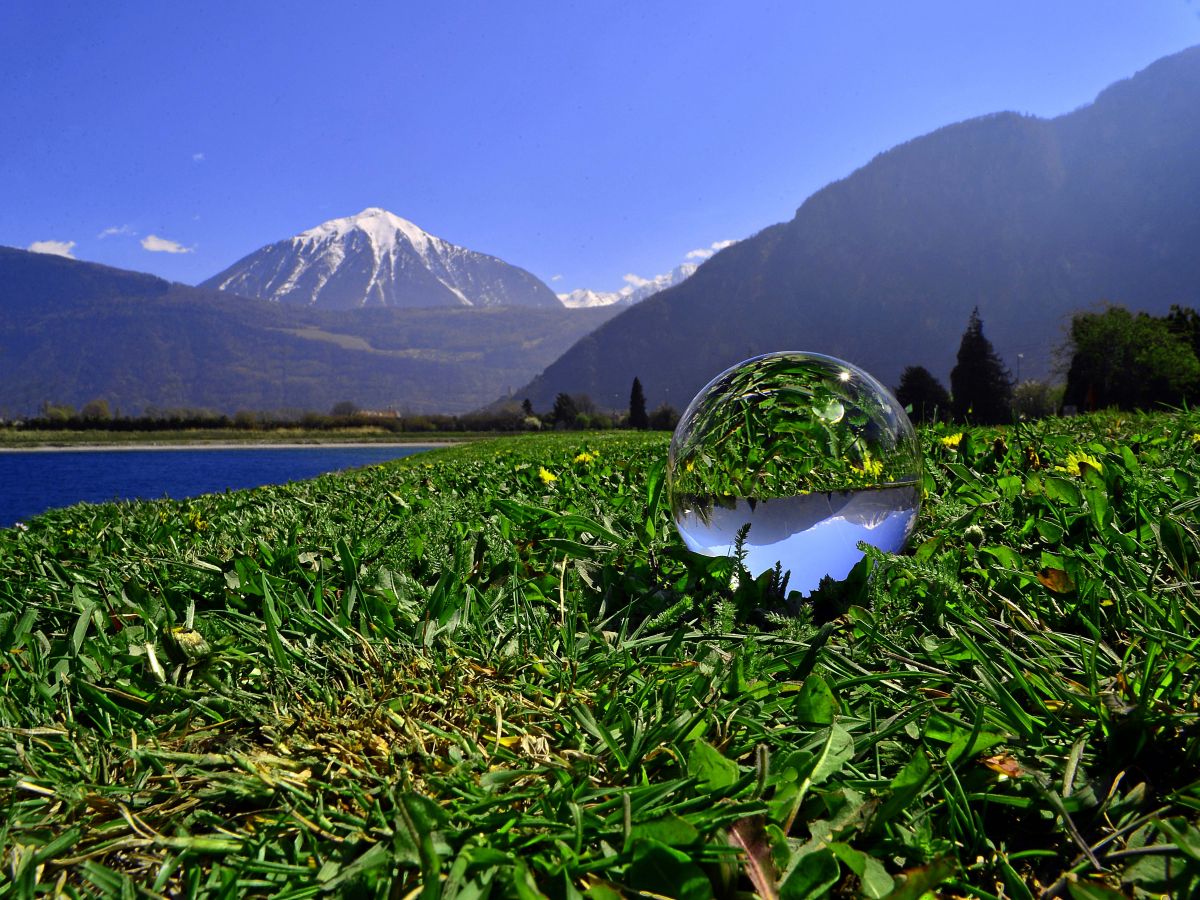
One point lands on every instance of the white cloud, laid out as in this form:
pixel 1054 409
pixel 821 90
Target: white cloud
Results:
pixel 556 278
pixel 197 157
pixel 155 244
pixel 55 248
pixel 706 252
pixel 636 280
pixel 114 230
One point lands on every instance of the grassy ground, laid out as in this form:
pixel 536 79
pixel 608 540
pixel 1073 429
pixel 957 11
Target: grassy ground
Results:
pixel 494 671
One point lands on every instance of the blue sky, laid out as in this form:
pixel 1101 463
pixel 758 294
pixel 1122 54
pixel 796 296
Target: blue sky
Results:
pixel 583 141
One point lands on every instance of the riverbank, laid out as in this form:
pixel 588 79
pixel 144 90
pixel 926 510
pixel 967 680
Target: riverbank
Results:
pixel 33 482
pixel 225 438
pixel 223 445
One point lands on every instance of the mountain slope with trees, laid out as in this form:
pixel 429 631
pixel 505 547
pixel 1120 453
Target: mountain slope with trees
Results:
pixel 72 332
pixel 1027 219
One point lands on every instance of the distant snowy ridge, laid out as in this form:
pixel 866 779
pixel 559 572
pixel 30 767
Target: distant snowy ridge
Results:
pixel 376 258
pixel 630 294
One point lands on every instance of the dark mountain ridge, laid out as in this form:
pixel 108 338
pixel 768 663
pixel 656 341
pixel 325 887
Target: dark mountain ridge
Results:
pixel 72 331
pixel 1028 219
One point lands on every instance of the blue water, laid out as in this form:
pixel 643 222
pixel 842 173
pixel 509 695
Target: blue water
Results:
pixel 32 482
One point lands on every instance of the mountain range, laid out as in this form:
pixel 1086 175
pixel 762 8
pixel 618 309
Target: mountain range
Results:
pixel 377 258
pixel 72 331
pixel 631 293
pixel 1025 218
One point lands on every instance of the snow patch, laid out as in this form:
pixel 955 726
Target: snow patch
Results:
pixel 631 293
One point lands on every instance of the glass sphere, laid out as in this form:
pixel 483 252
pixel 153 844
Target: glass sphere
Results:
pixel 800 456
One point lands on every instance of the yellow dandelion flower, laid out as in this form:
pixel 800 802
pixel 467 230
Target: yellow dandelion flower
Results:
pixel 1195 438
pixel 546 475
pixel 871 468
pixel 585 458
pixel 1077 463
pixel 690 466
pixel 951 440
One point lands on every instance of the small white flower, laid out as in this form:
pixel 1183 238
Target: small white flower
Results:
pixel 20 526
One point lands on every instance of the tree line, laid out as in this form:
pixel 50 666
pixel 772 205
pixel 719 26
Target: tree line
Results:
pixel 577 411
pixel 569 411
pixel 1113 358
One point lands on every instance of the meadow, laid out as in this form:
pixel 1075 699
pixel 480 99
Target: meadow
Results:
pixel 493 670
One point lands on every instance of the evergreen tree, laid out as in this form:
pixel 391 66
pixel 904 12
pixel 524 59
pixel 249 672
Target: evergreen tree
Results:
pixel 637 407
pixel 924 394
pixel 527 407
pixel 979 382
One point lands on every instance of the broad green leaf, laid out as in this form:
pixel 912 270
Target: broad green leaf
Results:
pixel 671 830
pixel 905 787
pixel 659 869
pixel 959 738
pixel 1171 875
pixel 654 488
pixel 914 884
pixel 1062 491
pixel 815 704
pixel 874 880
pixel 1183 835
pixel 712 770
pixel 1049 531
pixel 835 753
pixel 1010 485
pixel 1097 500
pixel 811 877
pixel 272 621
pixel 1006 556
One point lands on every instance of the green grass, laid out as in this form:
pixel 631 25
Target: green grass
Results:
pixel 493 670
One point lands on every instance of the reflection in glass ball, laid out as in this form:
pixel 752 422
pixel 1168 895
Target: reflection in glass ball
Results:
pixel 806 453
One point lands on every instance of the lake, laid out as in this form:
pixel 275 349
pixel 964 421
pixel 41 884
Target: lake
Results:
pixel 33 481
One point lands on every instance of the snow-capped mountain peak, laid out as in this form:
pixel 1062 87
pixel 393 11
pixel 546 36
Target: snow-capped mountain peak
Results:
pixel 381 227
pixel 376 258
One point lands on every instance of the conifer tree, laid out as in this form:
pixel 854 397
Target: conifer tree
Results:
pixel 637 407
pixel 980 385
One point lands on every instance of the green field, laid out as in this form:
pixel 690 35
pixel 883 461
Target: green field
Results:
pixel 493 670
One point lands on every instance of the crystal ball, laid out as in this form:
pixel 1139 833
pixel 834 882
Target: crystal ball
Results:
pixel 794 458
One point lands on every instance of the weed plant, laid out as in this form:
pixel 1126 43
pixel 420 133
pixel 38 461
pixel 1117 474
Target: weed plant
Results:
pixel 494 671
